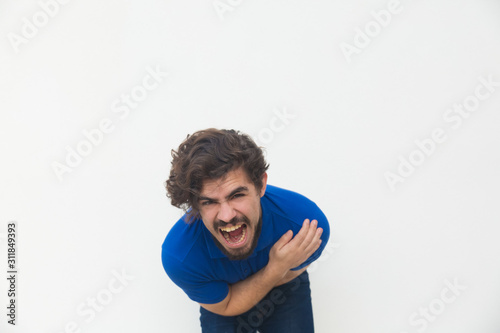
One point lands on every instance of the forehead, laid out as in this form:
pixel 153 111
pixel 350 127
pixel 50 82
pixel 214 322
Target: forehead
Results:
pixel 228 182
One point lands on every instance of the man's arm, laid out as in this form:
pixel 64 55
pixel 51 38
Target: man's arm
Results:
pixel 290 275
pixel 285 254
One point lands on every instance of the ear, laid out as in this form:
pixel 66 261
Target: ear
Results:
pixel 264 183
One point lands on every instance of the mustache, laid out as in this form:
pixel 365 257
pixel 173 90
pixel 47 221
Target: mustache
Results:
pixel 232 222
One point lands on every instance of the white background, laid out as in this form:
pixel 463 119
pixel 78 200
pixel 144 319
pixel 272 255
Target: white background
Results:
pixel 353 118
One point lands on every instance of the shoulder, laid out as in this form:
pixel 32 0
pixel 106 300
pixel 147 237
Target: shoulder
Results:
pixel 287 202
pixel 187 262
pixel 288 210
pixel 292 207
pixel 180 245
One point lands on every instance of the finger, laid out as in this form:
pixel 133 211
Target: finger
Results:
pixel 310 251
pixel 299 238
pixel 287 236
pixel 310 234
pixel 315 242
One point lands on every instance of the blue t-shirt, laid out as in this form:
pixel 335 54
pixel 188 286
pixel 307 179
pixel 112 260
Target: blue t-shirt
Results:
pixel 195 264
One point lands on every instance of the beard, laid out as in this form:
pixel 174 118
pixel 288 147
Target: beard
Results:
pixel 238 254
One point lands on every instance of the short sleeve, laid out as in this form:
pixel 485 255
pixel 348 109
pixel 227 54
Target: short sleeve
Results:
pixel 317 214
pixel 197 287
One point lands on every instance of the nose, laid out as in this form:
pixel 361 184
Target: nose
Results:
pixel 226 212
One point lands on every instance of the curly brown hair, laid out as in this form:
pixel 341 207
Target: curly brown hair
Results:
pixel 211 154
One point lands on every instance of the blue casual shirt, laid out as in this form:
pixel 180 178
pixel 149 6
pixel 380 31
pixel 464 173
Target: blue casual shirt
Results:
pixel 195 264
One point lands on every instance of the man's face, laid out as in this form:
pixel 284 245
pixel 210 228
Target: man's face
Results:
pixel 230 209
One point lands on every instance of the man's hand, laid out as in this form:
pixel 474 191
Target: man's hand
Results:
pixel 288 253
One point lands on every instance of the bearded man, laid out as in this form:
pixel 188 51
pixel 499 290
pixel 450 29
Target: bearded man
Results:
pixel 242 248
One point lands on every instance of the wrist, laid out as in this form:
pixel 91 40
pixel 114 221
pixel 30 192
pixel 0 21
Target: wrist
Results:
pixel 274 272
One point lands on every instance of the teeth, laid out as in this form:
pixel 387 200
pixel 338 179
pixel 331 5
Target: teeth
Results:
pixel 226 236
pixel 229 229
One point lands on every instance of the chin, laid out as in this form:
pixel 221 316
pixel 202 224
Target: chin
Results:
pixel 242 247
pixel 238 254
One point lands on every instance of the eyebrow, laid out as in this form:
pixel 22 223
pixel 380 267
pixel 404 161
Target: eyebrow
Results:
pixel 233 192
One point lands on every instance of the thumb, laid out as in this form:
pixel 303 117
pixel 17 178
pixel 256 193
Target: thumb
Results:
pixel 287 236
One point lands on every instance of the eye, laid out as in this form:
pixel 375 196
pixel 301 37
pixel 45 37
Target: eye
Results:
pixel 238 195
pixel 206 203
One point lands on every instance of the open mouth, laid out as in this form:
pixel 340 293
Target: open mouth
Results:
pixel 234 236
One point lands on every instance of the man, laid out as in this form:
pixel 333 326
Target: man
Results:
pixel 234 251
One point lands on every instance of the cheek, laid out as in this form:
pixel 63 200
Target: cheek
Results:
pixel 208 219
pixel 249 209
pixel 244 207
